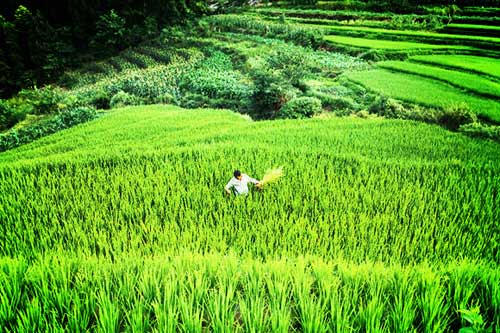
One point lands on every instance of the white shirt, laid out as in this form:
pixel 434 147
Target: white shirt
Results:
pixel 241 186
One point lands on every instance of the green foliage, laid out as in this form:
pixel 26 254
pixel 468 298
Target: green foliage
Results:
pixel 110 32
pixel 474 321
pixel 270 93
pixel 122 219
pixel 121 99
pixel 215 78
pixel 252 25
pixel 454 116
pixel 9 115
pixel 300 107
pixel 472 82
pixel 484 66
pixel 64 119
pixel 479 130
pixel 46 100
pixel 137 181
pixel 426 92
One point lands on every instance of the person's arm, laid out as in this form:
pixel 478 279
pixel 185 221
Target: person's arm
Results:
pixel 227 188
pixel 254 181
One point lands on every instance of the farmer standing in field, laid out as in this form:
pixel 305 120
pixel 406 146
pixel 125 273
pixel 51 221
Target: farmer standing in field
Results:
pixel 239 183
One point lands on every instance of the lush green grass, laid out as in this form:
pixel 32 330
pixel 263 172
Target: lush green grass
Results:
pixel 123 224
pixel 471 82
pixel 481 65
pixel 423 91
pixel 389 45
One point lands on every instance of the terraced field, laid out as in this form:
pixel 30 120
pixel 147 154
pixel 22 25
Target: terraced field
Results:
pixel 480 65
pixel 390 45
pixel 470 82
pixel 419 90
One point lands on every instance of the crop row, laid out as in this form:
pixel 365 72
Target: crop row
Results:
pixel 199 293
pixel 389 44
pixel 489 67
pixel 470 82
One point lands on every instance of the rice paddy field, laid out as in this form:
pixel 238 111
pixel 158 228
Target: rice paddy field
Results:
pixel 121 224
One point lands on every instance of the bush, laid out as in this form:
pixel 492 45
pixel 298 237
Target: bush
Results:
pixel 9 115
pixel 47 100
pixel 194 101
pixel 301 107
pixel 99 99
pixel 121 99
pixel 270 93
pixel 65 119
pixel 215 78
pixel 478 130
pixel 110 32
pixel 455 116
pixel 165 98
pixel 388 107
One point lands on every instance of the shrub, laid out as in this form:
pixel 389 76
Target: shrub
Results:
pixel 110 32
pixel 388 107
pixel 99 99
pixel 392 108
pixel 455 116
pixel 478 130
pixel 165 98
pixel 215 78
pixel 194 101
pixel 65 119
pixel 301 107
pixel 9 115
pixel 121 99
pixel 270 93
pixel 46 100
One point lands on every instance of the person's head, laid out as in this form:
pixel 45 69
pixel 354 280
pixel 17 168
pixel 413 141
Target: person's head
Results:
pixel 237 174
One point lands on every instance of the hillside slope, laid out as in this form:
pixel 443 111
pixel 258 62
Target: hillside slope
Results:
pixel 121 224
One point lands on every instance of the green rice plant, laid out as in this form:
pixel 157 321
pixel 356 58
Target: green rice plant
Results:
pixel 432 303
pixel 279 290
pixel 388 44
pixel 423 91
pixel 254 25
pixel 470 82
pixel 481 65
pixel 311 311
pixel 301 288
pixel 424 35
pixel 402 303
pixel 252 303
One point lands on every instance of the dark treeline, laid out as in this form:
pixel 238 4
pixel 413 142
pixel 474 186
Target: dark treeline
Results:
pixel 39 39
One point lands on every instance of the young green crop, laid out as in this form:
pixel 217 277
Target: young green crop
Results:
pixel 423 91
pixel 150 178
pixel 122 224
pixel 471 82
pixel 482 65
pixel 388 44
pixel 196 293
